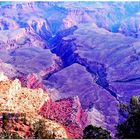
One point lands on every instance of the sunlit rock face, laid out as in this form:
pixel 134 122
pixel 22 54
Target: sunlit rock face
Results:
pixel 3 77
pixel 8 69
pixel 67 112
pixel 16 99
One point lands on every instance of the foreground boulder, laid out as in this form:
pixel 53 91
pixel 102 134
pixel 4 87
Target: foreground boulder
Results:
pixel 67 112
pixel 16 99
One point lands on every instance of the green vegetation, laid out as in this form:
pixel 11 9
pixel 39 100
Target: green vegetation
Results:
pixel 9 135
pixel 93 132
pixel 5 120
pixel 40 131
pixel 131 127
pixel 37 131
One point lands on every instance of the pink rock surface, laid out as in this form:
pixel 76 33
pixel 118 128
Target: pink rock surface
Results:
pixel 68 112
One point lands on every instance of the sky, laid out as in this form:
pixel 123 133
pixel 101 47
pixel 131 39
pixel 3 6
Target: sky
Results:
pixel 69 0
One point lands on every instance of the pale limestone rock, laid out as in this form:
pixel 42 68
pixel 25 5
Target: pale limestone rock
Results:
pixel 17 99
pixel 3 77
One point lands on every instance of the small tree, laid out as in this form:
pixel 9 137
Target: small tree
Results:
pixel 40 131
pixel 5 120
pixel 130 128
pixel 93 132
pixel 9 135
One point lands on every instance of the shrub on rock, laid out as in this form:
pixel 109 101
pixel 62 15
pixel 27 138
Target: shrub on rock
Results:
pixel 93 132
pixel 130 128
pixel 41 132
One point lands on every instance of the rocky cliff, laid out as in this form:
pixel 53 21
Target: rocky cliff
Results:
pixel 84 52
pixel 64 115
pixel 16 99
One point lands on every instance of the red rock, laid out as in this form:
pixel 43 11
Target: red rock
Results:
pixel 31 81
pixel 16 124
pixel 68 112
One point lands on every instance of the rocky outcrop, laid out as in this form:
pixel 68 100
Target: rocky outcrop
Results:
pixel 8 70
pixel 21 37
pixel 105 58
pixel 105 15
pixel 130 26
pixel 23 63
pixel 79 82
pixel 15 123
pixel 31 81
pixel 7 24
pixel 67 112
pixel 16 99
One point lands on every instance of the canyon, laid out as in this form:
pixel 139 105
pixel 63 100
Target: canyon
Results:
pixel 84 56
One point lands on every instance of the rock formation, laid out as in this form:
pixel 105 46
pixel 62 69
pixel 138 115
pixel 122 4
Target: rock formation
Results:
pixel 86 54
pixel 67 112
pixel 17 99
